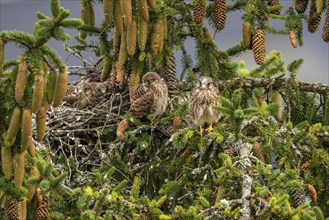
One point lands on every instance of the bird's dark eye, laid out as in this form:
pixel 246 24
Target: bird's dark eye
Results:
pixel 208 84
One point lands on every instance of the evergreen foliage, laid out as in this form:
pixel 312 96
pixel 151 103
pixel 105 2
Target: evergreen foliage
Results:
pixel 161 168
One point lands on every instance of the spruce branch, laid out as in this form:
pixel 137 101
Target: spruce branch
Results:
pixel 274 83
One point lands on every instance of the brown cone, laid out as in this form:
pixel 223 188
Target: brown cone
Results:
pixel 7 162
pixel 133 83
pixel 19 169
pixel 14 125
pixel 122 127
pixel 220 14
pixel 301 6
pixel 177 123
pixel 126 10
pixel 41 123
pixel 257 148
pixel 142 32
pixel 60 89
pixel 38 91
pixel 108 10
pixel 259 46
pixel 314 19
pixel 325 30
pixel 170 75
pixel 246 34
pixel 26 134
pixel 199 12
pixel 143 10
pixel 156 37
pixel 132 38
pixel 123 48
pixel 20 81
pixel 117 17
pixel 2 55
pixel 293 39
pixel 151 3
pixel 13 211
pixel 274 3
pixel 120 74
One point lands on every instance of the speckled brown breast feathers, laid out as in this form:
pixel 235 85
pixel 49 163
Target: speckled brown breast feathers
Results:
pixel 202 99
pixel 150 97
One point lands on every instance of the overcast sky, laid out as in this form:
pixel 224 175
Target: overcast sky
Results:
pixel 20 15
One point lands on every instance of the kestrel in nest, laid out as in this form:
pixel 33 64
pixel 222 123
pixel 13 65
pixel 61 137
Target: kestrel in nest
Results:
pixel 150 97
pixel 202 99
pixel 85 93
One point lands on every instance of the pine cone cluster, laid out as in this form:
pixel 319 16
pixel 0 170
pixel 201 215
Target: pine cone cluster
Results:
pixel 199 12
pixel 259 46
pixel 297 197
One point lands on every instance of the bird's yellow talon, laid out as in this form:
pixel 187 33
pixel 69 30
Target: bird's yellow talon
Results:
pixel 210 128
pixel 201 131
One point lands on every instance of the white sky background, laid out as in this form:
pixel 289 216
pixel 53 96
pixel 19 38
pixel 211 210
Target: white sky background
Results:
pixel 20 15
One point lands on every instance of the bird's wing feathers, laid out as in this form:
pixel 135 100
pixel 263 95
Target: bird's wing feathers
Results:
pixel 142 102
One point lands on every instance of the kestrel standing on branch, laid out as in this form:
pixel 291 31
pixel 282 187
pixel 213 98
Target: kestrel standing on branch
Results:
pixel 150 97
pixel 202 99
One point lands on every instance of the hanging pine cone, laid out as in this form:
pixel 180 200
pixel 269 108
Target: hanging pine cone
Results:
pixel 108 10
pixel 314 19
pixel 106 70
pixel 132 38
pixel 126 10
pixel 20 81
pixel 259 46
pixel 142 32
pixel 319 6
pixel 117 18
pixel 42 211
pixel 220 14
pixel 14 125
pixel 156 36
pixel 257 148
pixel 246 34
pixel 274 3
pixel 123 48
pixel 199 11
pixel 2 55
pixel 122 127
pixel 177 123
pixel 143 10
pixel 170 76
pixel 7 162
pixel 293 39
pixel 151 3
pixel 325 30
pixel 301 6
pixel 297 197
pixel 121 74
pixel 12 211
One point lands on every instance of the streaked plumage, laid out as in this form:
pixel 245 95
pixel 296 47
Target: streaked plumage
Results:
pixel 85 93
pixel 150 97
pixel 202 99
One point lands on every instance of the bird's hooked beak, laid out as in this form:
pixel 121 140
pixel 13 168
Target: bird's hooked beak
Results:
pixel 203 86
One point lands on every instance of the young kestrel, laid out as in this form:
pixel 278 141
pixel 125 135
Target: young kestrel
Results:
pixel 150 97
pixel 202 99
